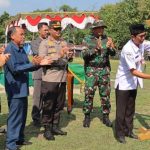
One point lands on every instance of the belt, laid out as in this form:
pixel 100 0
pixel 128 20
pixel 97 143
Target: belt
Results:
pixel 54 67
pixel 97 65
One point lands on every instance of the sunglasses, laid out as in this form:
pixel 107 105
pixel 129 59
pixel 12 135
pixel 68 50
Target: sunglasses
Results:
pixel 57 29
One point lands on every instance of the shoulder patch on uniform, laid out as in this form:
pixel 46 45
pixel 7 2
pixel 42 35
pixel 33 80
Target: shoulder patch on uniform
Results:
pixel 128 54
pixel 63 43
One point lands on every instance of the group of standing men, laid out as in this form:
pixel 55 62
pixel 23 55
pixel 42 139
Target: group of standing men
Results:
pixel 16 86
pixel 129 76
pixel 50 65
pixel 52 54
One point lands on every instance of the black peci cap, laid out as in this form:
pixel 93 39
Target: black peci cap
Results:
pixel 136 29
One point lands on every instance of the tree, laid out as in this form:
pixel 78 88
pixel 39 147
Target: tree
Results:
pixel 44 10
pixel 66 8
pixel 74 35
pixel 120 16
pixel 3 19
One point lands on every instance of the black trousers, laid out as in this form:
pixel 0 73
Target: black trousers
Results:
pixel 37 102
pixel 53 97
pixel 125 109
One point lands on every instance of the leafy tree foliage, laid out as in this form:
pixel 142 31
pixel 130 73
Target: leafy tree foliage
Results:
pixel 66 8
pixel 3 18
pixel 119 16
pixel 74 35
pixel 45 10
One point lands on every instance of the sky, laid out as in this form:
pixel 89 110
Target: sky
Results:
pixel 14 7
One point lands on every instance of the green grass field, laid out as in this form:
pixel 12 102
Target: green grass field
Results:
pixel 98 136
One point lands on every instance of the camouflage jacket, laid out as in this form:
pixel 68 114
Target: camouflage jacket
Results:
pixel 99 58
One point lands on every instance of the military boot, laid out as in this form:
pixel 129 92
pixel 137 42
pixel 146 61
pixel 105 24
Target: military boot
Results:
pixel 48 133
pixel 86 121
pixel 57 131
pixel 106 120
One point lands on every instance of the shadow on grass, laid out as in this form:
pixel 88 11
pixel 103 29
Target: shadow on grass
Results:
pixel 3 121
pixel 32 131
pixel 37 132
pixel 96 112
pixel 143 119
pixel 66 118
pixel 2 141
pixel 113 129
pixel 76 103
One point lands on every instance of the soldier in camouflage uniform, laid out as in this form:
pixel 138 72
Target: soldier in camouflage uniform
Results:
pixel 96 53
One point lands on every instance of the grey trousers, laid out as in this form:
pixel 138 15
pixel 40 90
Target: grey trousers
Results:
pixel 37 103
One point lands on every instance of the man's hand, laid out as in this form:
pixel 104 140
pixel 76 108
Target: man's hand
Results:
pixel 110 43
pixel 46 61
pixel 64 50
pixel 36 60
pixel 99 43
pixel 3 59
pixel 2 49
pixel 70 53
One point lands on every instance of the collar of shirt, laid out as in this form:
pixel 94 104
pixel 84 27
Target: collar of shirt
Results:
pixel 135 48
pixel 55 41
pixel 16 47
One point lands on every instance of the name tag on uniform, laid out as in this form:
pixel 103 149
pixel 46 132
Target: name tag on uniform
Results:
pixel 136 56
pixel 137 59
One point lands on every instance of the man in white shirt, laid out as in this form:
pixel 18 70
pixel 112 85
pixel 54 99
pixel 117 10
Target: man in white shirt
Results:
pixel 129 76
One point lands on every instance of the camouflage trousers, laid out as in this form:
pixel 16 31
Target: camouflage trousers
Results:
pixel 97 77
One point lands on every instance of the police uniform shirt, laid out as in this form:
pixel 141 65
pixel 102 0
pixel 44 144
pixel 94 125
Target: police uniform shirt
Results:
pixel 48 48
pixel 131 58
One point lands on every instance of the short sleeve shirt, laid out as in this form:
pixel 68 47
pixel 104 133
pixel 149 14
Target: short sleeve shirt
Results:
pixel 131 58
pixel 48 48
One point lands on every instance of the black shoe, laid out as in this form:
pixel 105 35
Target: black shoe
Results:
pixel 106 121
pixel 19 143
pixel 48 133
pixel 121 139
pixel 86 121
pixel 57 131
pixel 132 135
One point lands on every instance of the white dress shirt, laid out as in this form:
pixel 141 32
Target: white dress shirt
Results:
pixel 131 58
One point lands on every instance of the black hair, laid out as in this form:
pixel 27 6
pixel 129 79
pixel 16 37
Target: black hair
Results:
pixel 136 29
pixel 40 25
